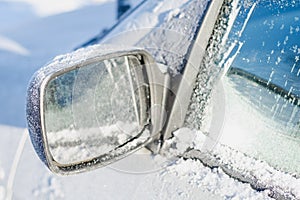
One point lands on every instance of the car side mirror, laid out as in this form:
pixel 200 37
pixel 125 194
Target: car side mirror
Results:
pixel 94 106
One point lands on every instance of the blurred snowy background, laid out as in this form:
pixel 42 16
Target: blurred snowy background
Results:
pixel 32 32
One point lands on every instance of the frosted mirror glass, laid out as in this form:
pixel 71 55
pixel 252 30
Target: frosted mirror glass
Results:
pixel 93 109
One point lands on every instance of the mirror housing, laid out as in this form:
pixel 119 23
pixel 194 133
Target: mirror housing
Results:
pixel 45 104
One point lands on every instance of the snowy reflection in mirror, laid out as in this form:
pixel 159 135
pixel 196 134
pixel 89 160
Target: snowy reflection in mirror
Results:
pixel 93 109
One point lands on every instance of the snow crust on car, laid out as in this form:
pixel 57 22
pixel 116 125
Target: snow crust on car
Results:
pixel 226 162
pixel 170 43
pixel 166 36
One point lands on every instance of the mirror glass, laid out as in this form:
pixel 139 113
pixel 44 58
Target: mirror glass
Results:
pixel 263 87
pixel 93 109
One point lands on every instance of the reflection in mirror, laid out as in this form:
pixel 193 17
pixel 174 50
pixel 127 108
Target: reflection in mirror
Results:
pixel 263 87
pixel 93 109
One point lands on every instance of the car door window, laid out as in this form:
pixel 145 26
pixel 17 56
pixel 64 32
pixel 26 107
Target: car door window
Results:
pixel 262 85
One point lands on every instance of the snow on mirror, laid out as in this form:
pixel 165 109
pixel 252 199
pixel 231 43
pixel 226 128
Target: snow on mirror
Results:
pixel 83 114
pixel 92 110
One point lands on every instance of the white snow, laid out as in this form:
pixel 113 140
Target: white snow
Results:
pixel 36 39
pixel 225 160
pixel 2 176
pixel 139 24
pixel 2 192
pixel 52 7
pixel 194 173
pixel 9 45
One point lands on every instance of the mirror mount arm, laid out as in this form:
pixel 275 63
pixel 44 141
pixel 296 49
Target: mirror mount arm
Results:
pixel 160 83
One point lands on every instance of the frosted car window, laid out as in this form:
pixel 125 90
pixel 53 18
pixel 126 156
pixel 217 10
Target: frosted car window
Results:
pixel 263 87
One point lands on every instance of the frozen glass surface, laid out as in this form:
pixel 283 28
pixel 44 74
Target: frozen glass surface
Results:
pixel 91 110
pixel 262 87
